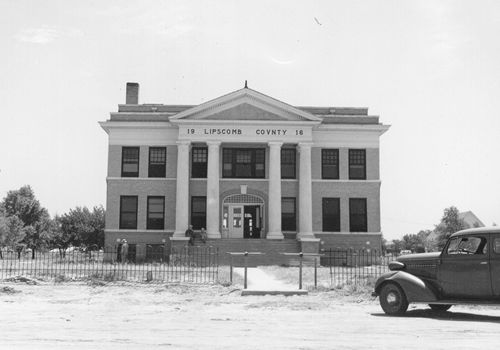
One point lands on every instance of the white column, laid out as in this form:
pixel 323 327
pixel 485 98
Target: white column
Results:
pixel 182 192
pixel 274 206
pixel 213 210
pixel 305 201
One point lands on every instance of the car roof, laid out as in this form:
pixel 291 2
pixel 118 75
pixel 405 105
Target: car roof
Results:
pixel 477 230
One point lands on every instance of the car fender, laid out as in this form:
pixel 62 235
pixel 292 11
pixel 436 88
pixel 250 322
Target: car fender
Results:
pixel 416 289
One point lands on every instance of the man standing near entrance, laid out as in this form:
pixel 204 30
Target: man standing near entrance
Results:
pixel 189 233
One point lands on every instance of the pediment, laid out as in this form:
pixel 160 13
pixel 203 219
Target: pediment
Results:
pixel 244 111
pixel 245 104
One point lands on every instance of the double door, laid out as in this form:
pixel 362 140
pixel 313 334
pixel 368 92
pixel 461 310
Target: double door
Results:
pixel 245 221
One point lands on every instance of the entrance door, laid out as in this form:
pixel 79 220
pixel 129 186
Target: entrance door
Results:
pixel 236 221
pixel 251 224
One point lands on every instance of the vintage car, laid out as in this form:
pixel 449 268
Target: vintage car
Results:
pixel 467 271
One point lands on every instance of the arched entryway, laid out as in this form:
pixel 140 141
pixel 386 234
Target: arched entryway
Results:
pixel 242 216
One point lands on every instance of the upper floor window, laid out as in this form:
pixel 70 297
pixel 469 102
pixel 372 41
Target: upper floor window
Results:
pixel 157 161
pixel 130 162
pixel 331 214
pixel 199 157
pixel 288 163
pixel 156 213
pixel 357 215
pixel 330 163
pixel 357 164
pixel 244 163
pixel 288 216
pixel 128 212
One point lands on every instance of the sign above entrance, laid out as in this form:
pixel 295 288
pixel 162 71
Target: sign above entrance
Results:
pixel 245 133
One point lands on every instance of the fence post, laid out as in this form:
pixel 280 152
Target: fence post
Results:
pixel 300 270
pixel 231 270
pixel 315 273
pixel 246 268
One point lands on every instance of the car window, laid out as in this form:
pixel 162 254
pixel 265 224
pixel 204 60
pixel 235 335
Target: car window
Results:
pixel 496 245
pixel 453 246
pixel 468 245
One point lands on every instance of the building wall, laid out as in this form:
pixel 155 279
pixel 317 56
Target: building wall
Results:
pixel 354 241
pixel 372 163
pixel 344 191
pixel 342 188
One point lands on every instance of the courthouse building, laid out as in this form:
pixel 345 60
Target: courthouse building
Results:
pixel 245 166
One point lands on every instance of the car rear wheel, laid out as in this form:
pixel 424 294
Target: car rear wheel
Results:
pixel 439 307
pixel 393 299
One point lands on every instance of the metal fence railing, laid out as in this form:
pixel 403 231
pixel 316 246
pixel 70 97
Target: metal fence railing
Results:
pixel 187 264
pixel 351 265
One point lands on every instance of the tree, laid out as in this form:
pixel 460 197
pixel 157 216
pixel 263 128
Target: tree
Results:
pixel 11 231
pixel 450 223
pixel 81 227
pixel 39 235
pixel 23 204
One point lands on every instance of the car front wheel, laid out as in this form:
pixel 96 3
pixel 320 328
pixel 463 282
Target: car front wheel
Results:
pixel 393 299
pixel 439 307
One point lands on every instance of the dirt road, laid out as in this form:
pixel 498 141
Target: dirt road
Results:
pixel 72 316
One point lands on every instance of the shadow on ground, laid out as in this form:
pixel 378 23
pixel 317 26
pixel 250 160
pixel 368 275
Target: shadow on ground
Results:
pixel 445 316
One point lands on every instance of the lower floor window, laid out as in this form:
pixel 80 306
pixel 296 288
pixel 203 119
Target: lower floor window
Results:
pixel 155 252
pixel 357 215
pixel 127 253
pixel 288 217
pixel 331 214
pixel 128 212
pixel 156 213
pixel 199 212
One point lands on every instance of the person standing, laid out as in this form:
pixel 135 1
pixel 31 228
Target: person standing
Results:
pixel 190 234
pixel 203 235
pixel 124 251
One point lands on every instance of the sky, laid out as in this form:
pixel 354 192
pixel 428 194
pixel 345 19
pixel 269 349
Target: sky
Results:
pixel 430 69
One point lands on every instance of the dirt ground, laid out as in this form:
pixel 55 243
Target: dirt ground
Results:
pixel 140 316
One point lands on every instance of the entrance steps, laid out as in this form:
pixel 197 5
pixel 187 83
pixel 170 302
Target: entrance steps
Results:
pixel 271 251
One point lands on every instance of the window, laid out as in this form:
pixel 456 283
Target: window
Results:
pixel 156 213
pixel 131 253
pixel 155 252
pixel 199 212
pixel 467 245
pixel 130 162
pixel 330 163
pixel 157 161
pixel 331 214
pixel 357 215
pixel 243 163
pixel 496 245
pixel 288 163
pixel 128 212
pixel 288 217
pixel 357 164
pixel 199 157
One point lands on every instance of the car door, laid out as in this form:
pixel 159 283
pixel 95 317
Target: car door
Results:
pixel 464 270
pixel 495 264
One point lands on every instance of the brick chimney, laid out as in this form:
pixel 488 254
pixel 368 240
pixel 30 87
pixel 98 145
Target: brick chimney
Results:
pixel 132 97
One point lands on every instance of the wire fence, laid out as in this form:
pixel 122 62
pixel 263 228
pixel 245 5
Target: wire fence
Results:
pixel 189 264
